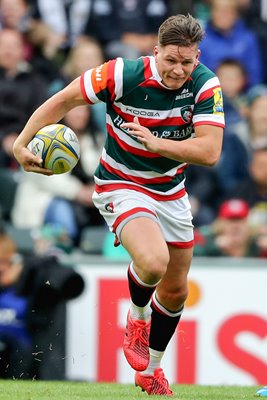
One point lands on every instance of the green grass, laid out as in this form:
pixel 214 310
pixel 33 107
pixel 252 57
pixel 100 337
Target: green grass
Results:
pixel 42 390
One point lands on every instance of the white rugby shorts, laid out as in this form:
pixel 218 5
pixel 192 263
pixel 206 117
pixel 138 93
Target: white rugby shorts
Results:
pixel 174 217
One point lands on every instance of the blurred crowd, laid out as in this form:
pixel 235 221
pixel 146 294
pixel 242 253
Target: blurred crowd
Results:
pixel 44 44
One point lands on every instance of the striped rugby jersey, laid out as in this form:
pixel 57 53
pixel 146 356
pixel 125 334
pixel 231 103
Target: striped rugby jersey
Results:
pixel 133 88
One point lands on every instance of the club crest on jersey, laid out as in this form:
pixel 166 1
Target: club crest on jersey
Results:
pixel 187 114
pixel 109 207
pixel 218 101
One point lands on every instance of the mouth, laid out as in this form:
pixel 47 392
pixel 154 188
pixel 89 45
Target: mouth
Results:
pixel 176 78
pixel 173 81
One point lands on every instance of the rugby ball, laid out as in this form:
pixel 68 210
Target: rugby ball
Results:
pixel 58 146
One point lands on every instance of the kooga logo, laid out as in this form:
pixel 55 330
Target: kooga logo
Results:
pixel 144 113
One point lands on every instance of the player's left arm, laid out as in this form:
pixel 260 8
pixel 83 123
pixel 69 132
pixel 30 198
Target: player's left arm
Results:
pixel 204 149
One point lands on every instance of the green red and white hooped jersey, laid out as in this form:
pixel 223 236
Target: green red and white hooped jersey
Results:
pixel 133 88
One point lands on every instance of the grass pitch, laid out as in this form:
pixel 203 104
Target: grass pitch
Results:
pixel 42 390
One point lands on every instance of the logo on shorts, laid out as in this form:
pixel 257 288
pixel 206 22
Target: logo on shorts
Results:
pixel 109 207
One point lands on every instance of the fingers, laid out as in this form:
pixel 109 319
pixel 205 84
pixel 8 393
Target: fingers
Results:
pixel 38 161
pixel 134 128
pixel 43 171
pixel 33 163
pixel 128 125
pixel 37 169
pixel 132 125
pixel 33 159
pixel 30 162
pixel 36 165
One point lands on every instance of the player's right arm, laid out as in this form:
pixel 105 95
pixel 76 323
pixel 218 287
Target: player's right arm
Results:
pixel 50 112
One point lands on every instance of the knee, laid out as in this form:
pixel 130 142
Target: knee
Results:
pixel 152 267
pixel 179 297
pixel 173 298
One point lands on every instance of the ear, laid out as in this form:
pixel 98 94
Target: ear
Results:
pixel 197 57
pixel 156 50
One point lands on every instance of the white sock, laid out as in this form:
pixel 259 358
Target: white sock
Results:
pixel 142 313
pixel 154 361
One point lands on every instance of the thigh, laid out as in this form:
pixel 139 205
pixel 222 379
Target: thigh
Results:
pixel 144 241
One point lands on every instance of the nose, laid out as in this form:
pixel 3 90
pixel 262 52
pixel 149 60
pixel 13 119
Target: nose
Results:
pixel 178 69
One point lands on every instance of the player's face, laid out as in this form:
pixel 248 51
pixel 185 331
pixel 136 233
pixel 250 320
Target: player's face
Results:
pixel 175 64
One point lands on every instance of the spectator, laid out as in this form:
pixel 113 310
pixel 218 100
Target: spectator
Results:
pixel 199 8
pixel 65 19
pixel 207 187
pixel 15 15
pixel 229 235
pixel 63 200
pixel 33 294
pixel 85 54
pixel 37 37
pixel 202 186
pixel 227 33
pixel 255 14
pixel 21 91
pixel 232 167
pixel 233 79
pixel 258 223
pixel 181 7
pixel 256 103
pixel 254 189
pixel 51 239
pixel 130 26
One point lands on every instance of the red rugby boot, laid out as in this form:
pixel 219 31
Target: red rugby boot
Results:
pixel 135 344
pixel 154 384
